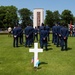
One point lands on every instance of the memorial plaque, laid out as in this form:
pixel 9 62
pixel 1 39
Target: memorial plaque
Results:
pixel 38 18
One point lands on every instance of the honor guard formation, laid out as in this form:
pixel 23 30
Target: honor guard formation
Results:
pixel 29 35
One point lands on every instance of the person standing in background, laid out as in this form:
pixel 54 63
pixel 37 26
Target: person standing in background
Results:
pixel 9 31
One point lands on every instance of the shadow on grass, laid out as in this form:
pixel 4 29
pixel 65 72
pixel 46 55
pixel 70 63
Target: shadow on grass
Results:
pixel 69 48
pixel 42 63
pixel 49 45
pixel 50 48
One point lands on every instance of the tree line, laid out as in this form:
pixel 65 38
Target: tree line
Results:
pixel 11 16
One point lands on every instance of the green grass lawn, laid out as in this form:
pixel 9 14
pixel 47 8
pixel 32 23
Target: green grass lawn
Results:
pixel 17 61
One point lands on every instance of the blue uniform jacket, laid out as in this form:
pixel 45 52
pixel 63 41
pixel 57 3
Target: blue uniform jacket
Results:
pixel 19 31
pixel 29 30
pixel 58 29
pixel 15 32
pixel 64 32
pixel 48 28
pixel 54 29
pixel 44 34
pixel 35 31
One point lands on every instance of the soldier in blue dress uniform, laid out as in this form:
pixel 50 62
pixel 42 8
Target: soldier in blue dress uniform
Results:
pixel 58 35
pixel 29 35
pixel 20 34
pixel 15 37
pixel 54 31
pixel 36 33
pixel 64 36
pixel 48 29
pixel 26 35
pixel 40 29
pixel 44 35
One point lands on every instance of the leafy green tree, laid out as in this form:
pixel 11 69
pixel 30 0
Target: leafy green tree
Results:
pixel 25 16
pixel 2 16
pixel 8 16
pixel 74 20
pixel 56 16
pixel 11 16
pixel 49 18
pixel 67 16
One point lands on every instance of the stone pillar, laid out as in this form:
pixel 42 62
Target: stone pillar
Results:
pixel 38 17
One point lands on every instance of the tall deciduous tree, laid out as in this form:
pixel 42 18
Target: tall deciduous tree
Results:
pixel 56 16
pixel 8 16
pixel 67 16
pixel 26 16
pixel 2 16
pixel 49 18
pixel 74 20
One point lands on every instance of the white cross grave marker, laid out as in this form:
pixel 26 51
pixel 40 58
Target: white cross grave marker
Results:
pixel 35 50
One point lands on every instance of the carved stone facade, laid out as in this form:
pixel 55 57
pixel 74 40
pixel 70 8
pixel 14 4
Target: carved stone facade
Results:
pixel 38 17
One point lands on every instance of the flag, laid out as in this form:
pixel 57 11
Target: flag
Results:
pixel 37 63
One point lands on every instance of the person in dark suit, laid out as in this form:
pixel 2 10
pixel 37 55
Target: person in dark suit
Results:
pixel 36 33
pixel 20 34
pixel 44 35
pixel 26 30
pixel 40 29
pixel 54 31
pixel 48 29
pixel 58 35
pixel 31 34
pixel 28 35
pixel 64 37
pixel 15 37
